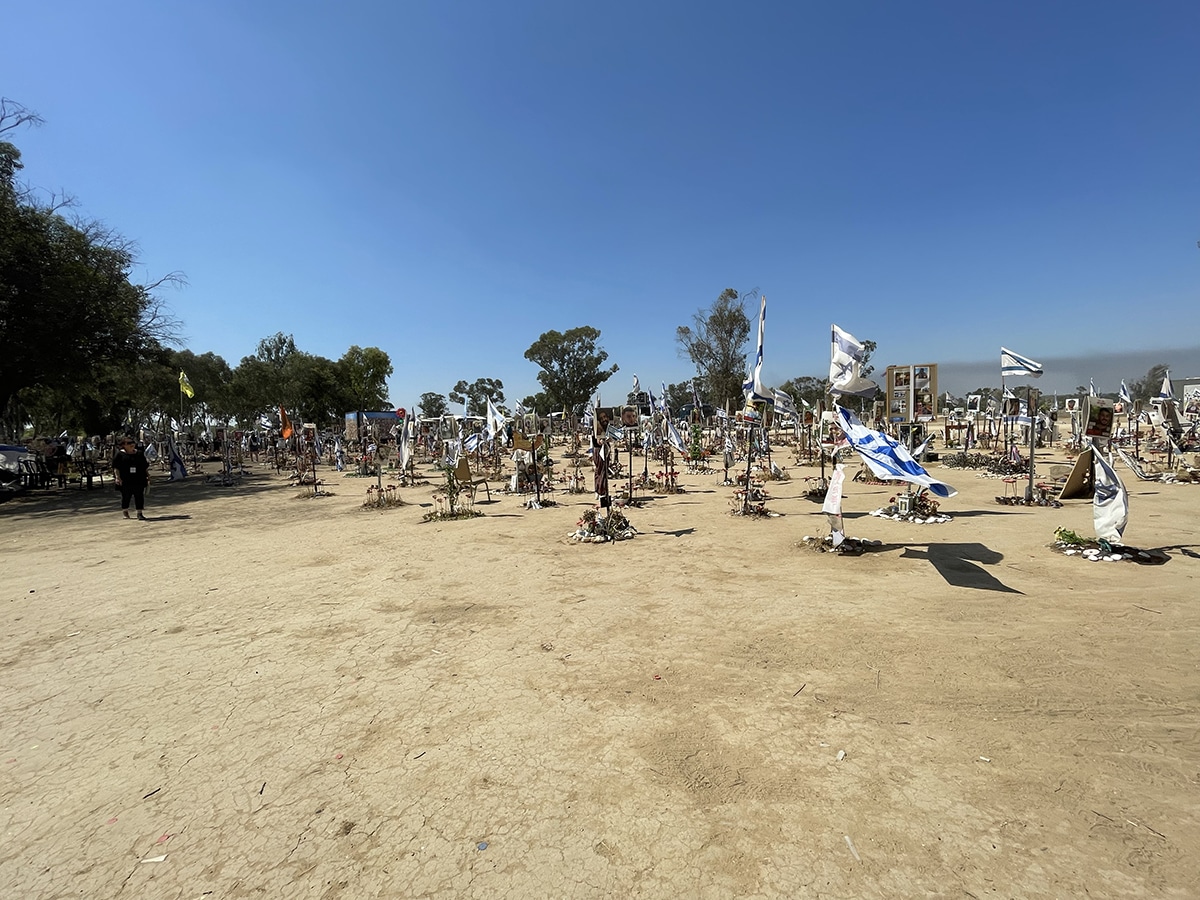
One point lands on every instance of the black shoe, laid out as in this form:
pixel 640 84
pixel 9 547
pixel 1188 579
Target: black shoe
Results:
pixel 141 518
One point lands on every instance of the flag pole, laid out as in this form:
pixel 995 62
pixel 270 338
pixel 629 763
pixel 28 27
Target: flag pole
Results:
pixel 1032 441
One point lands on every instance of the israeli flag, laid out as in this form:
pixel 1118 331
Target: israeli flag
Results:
pixel 662 401
pixel 845 366
pixel 885 457
pixel 752 387
pixel 472 443
pixel 674 438
pixel 637 388
pixel 1092 388
pixel 1017 365
pixel 178 469
pixel 784 403
pixel 339 455
pixel 1167 390
pixel 696 397
pixel 1125 398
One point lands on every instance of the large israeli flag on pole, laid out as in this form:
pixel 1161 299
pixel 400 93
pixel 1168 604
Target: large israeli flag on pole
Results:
pixel 845 366
pixel 753 387
pixel 1014 364
pixel 887 458
pixel 1125 398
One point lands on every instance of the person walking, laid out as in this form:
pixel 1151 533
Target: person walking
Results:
pixel 132 473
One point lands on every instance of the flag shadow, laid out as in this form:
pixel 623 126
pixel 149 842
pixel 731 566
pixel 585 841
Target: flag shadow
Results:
pixel 957 564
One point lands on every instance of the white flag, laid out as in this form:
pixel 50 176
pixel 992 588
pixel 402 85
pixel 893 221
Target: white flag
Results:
pixel 1110 506
pixel 832 506
pixel 495 423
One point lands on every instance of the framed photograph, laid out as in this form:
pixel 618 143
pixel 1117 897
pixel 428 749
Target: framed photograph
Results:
pixel 973 403
pixel 903 378
pixel 1099 419
pixel 604 416
pixel 1071 404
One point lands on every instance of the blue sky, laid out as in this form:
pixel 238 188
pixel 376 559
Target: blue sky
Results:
pixel 447 180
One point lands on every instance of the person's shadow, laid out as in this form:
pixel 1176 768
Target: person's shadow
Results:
pixel 956 564
pixel 165 518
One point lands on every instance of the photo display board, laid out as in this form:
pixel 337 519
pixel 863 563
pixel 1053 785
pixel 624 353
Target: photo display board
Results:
pixel 912 393
pixel 1189 408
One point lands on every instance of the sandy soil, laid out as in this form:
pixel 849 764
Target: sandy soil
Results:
pixel 300 698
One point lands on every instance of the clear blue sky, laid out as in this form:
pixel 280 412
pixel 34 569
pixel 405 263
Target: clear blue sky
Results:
pixel 447 180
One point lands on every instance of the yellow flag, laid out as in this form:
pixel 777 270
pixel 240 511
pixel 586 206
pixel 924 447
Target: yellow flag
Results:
pixel 185 386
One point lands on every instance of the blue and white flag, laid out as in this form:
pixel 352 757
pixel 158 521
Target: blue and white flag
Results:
pixel 1017 365
pixel 1125 398
pixel 885 457
pixel 637 389
pixel 1092 388
pixel 178 469
pixel 1110 505
pixel 784 404
pixel 753 387
pixel 673 436
pixel 696 397
pixel 339 455
pixel 1167 390
pixel 662 401
pixel 845 366
pixel 472 443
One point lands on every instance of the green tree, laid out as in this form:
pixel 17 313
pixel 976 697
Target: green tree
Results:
pixel 679 396
pixel 808 388
pixel 365 373
pixel 539 403
pixel 70 317
pixel 475 395
pixel 864 364
pixel 716 343
pixel 1148 387
pixel 572 366
pixel 432 405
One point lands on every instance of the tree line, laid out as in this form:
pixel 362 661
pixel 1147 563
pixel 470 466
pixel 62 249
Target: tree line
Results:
pixel 83 346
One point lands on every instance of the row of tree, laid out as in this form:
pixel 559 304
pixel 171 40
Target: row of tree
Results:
pixel 83 346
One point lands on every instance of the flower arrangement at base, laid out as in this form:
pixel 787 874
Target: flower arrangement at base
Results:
pixel 382 498
pixel 593 528
pixel 922 510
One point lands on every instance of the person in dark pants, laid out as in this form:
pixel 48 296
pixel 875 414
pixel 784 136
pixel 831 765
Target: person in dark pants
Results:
pixel 132 473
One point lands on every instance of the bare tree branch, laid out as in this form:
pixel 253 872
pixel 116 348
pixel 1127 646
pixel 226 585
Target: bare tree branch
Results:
pixel 13 115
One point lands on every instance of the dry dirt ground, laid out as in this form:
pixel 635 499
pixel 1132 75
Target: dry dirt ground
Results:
pixel 257 695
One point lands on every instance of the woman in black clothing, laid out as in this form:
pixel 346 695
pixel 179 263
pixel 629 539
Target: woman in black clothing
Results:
pixel 132 472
